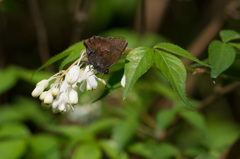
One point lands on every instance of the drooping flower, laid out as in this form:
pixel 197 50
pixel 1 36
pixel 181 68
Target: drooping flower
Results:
pixel 63 94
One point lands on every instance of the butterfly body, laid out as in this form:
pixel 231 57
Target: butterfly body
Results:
pixel 103 53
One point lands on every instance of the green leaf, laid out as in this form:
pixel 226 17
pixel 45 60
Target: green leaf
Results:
pixel 78 47
pixel 236 45
pixel 111 150
pixel 8 130
pixel 112 85
pixel 44 146
pixel 229 35
pixel 74 55
pixel 173 68
pixel 12 149
pixel 139 60
pixel 7 80
pixel 154 150
pixel 174 49
pixel 101 125
pixel 87 151
pixel 164 118
pixel 73 132
pixel 195 119
pixel 221 57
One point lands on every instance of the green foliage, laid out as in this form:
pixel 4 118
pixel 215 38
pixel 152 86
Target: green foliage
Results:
pixel 138 61
pixel 229 35
pixel 90 151
pixel 174 70
pixel 12 149
pixel 174 49
pixel 71 52
pixel 221 57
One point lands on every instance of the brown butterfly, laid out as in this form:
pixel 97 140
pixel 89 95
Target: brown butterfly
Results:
pixel 103 53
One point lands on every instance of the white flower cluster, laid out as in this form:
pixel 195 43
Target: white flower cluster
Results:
pixel 63 93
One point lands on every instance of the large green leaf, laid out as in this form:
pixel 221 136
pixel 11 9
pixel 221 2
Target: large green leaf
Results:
pixel 87 151
pixel 229 35
pixel 78 47
pixel 139 60
pixel 173 68
pixel 12 149
pixel 174 49
pixel 221 57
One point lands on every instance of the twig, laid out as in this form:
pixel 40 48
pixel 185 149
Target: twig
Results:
pixel 219 92
pixel 41 32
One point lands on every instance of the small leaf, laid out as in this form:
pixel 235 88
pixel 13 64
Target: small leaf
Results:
pixel 221 57
pixel 76 47
pixel 164 118
pixel 195 119
pixel 139 61
pixel 173 68
pixel 87 151
pixel 229 35
pixel 12 149
pixel 174 49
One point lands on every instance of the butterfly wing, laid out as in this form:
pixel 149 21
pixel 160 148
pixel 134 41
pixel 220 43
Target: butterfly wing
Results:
pixel 103 53
pixel 118 46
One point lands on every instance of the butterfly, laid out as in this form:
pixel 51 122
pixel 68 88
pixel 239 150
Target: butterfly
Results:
pixel 103 53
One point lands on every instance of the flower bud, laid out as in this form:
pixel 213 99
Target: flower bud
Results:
pixel 73 74
pixel 92 82
pixel 37 91
pixel 43 83
pixel 73 97
pixel 43 95
pixel 123 81
pixel 62 108
pixel 55 92
pixel 48 98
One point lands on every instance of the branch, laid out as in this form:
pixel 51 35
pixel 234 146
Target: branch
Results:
pixel 41 32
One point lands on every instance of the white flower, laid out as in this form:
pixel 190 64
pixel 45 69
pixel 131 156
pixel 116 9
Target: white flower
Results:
pixel 89 79
pixel 43 95
pixel 48 98
pixel 43 83
pixel 123 81
pixel 37 91
pixel 55 92
pixel 73 74
pixel 61 104
pixel 73 97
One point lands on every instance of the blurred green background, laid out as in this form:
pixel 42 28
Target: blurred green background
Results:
pixel 151 123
